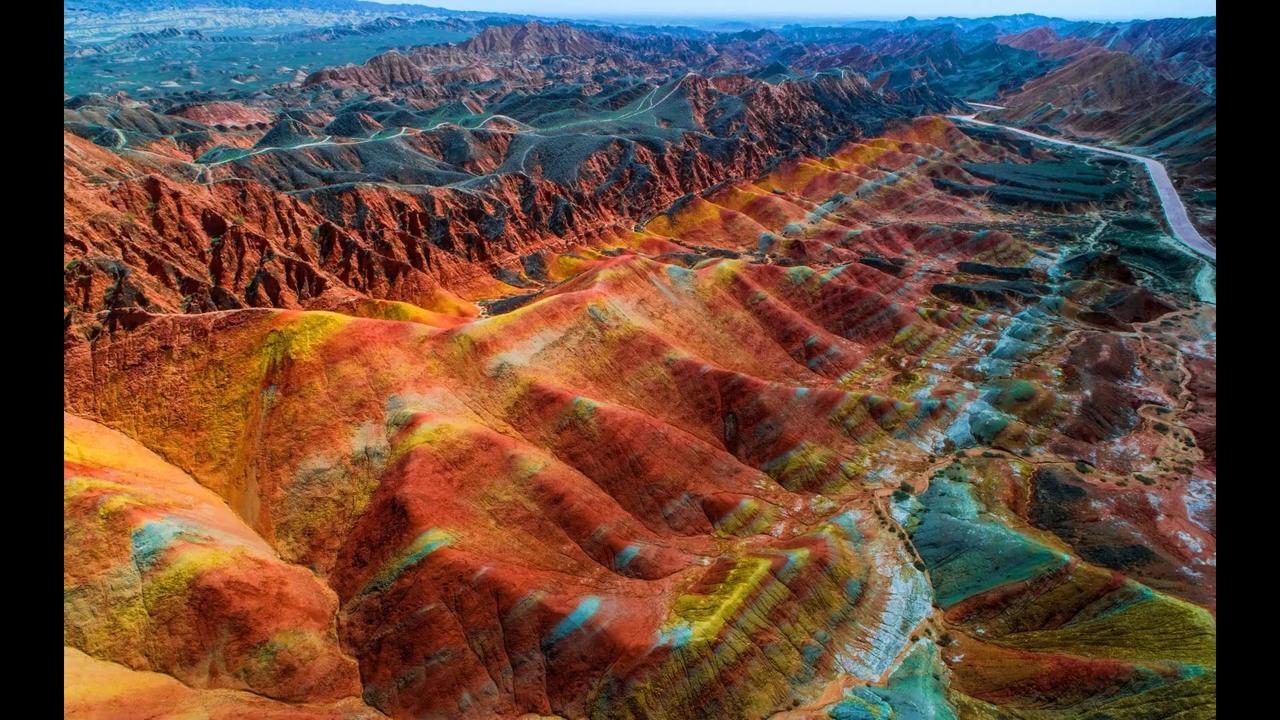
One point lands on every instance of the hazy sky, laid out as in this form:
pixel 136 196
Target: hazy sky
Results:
pixel 895 9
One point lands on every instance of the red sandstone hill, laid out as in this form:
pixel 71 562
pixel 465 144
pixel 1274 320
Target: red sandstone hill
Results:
pixel 535 39
pixel 1045 41
pixel 674 481
pixel 290 227
pixel 229 114
pixel 1102 80
pixel 1116 96
pixel 382 71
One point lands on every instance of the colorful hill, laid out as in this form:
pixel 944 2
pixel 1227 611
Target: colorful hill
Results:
pixel 435 364
pixel 834 440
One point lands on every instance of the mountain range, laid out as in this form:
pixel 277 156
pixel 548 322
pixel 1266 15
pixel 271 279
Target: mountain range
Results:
pixel 428 364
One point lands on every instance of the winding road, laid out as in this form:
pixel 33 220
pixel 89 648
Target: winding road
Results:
pixel 1174 211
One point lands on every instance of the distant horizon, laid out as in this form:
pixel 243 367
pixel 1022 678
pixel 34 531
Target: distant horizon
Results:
pixel 834 10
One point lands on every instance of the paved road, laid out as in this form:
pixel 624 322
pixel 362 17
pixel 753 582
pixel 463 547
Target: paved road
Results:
pixel 1174 211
